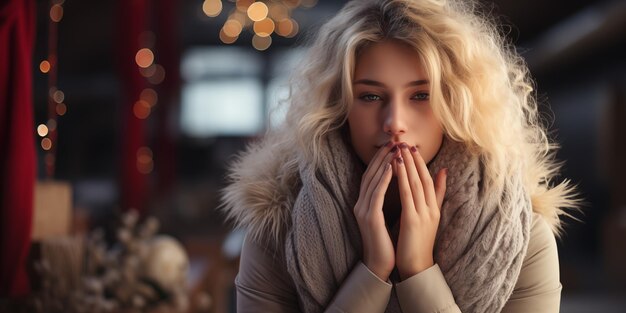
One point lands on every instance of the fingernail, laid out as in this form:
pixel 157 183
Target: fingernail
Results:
pixel 445 171
pixel 403 145
pixel 399 160
pixel 413 149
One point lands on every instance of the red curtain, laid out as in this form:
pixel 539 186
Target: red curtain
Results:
pixel 17 148
pixel 133 17
pixel 169 93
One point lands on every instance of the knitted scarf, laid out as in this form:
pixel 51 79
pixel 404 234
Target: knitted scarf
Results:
pixel 481 240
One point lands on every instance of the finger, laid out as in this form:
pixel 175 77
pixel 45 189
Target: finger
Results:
pixel 426 179
pixel 375 163
pixel 406 197
pixel 379 173
pixel 415 183
pixel 367 187
pixel 440 186
pixel 378 194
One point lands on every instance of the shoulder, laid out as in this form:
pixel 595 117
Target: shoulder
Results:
pixel 542 240
pixel 540 269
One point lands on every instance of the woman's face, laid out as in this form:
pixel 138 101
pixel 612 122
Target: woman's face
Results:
pixel 391 102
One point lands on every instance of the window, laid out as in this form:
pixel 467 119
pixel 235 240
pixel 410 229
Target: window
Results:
pixel 226 93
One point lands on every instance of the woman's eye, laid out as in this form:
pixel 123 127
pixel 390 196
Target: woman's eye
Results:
pixel 422 96
pixel 370 97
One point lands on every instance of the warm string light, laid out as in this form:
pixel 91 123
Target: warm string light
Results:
pixel 145 163
pixel 257 11
pixel 144 58
pixel 212 8
pixel 42 130
pixel 56 13
pixel 154 74
pixel 264 18
pixel 44 66
pixel 56 97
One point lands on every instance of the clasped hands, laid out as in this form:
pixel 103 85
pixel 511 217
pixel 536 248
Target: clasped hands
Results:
pixel 421 200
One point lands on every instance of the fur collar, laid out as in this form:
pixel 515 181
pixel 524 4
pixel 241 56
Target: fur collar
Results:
pixel 261 191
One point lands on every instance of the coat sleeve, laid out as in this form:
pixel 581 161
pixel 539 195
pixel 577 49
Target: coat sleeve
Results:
pixel 264 285
pixel 537 289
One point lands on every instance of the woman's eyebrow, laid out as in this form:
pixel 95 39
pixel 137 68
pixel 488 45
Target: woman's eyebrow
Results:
pixel 372 82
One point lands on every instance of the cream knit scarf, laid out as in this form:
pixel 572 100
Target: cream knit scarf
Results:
pixel 480 246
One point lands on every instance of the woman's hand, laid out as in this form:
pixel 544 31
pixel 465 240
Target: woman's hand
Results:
pixel 421 200
pixel 378 252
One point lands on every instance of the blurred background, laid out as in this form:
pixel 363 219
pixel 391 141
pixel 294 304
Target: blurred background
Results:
pixel 142 104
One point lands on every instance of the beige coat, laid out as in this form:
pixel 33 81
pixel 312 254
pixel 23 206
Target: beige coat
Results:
pixel 263 284
pixel 260 199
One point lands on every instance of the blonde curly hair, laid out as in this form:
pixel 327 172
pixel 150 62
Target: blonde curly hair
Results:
pixel 481 91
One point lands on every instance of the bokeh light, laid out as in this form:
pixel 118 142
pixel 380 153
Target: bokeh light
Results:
pixel 144 57
pixel 58 96
pixel 56 13
pixel 225 38
pixel 61 109
pixel 150 96
pixel 240 17
pixel 284 27
pixel 261 43
pixel 264 27
pixel 159 75
pixel 257 11
pixel 278 11
pixel 44 66
pixel 141 109
pixel 46 144
pixel 145 163
pixel 232 28
pixel 212 8
pixel 294 29
pixel 42 130
pixel 52 125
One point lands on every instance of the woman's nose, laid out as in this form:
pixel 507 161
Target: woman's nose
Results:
pixel 394 119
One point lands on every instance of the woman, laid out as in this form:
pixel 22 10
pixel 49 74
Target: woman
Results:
pixel 411 174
